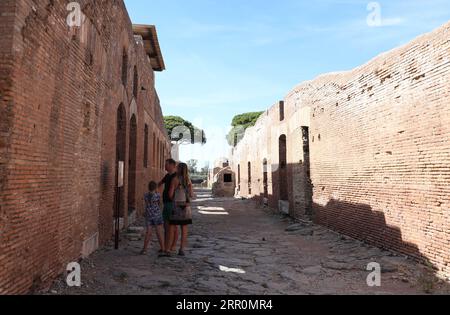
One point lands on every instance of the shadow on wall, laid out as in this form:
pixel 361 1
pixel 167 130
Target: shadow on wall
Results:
pixel 361 222
pixel 288 187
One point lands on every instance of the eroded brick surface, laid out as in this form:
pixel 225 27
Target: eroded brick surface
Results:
pixel 61 88
pixel 379 151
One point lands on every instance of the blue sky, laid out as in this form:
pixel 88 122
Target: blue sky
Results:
pixel 226 57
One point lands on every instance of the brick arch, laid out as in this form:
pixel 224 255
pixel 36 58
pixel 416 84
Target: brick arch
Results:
pixel 134 109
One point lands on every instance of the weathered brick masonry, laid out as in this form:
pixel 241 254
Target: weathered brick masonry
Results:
pixel 367 151
pixel 62 93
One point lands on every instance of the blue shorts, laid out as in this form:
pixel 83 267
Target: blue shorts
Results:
pixel 154 221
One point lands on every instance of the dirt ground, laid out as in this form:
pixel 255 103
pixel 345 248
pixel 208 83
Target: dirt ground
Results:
pixel 237 247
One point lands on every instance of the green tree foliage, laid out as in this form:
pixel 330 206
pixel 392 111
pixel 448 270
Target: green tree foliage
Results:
pixel 205 169
pixel 240 123
pixel 197 176
pixel 192 165
pixel 183 131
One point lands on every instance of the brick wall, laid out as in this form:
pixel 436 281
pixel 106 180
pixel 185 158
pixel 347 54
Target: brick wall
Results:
pixel 7 9
pixel 61 92
pixel 379 139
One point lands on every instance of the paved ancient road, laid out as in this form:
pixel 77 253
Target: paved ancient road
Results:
pixel 239 248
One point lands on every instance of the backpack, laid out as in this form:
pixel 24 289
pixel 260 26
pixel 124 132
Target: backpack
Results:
pixel 182 211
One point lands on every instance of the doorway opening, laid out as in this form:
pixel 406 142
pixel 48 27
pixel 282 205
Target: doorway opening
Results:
pixel 249 178
pixel 265 179
pixel 121 140
pixel 307 172
pixel 283 181
pixel 132 166
pixel 239 177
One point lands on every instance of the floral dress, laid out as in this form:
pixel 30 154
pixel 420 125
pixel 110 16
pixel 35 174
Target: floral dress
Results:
pixel 153 214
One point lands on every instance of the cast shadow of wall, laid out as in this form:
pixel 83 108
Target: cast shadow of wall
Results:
pixel 361 222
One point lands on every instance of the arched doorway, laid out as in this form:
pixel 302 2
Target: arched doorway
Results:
pixel 249 178
pixel 132 166
pixel 121 140
pixel 239 178
pixel 283 188
pixel 307 172
pixel 265 179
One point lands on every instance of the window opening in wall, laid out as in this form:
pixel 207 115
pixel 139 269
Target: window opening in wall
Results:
pixel 281 111
pixel 228 178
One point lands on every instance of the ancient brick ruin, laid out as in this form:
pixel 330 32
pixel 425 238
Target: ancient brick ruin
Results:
pixel 222 180
pixel 364 152
pixel 74 101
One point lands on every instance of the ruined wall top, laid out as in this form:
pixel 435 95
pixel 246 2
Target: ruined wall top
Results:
pixel 306 93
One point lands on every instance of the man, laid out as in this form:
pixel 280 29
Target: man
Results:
pixel 171 169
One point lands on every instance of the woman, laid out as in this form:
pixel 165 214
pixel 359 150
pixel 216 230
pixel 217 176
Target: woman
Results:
pixel 181 194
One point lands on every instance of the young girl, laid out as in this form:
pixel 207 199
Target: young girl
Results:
pixel 153 217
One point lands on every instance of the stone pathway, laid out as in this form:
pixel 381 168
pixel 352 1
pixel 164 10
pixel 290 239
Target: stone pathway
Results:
pixel 239 248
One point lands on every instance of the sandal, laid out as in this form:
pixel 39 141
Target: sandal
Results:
pixel 144 252
pixel 181 253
